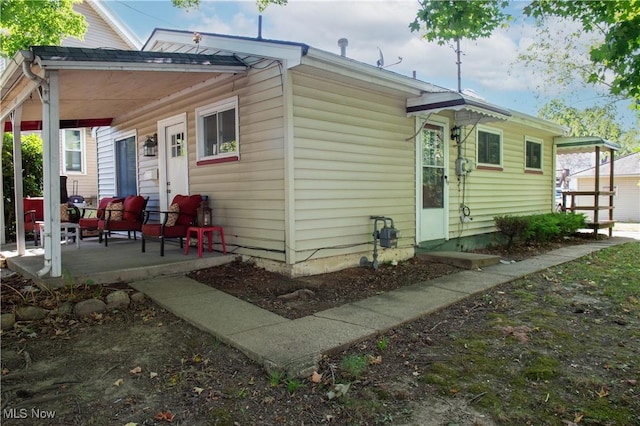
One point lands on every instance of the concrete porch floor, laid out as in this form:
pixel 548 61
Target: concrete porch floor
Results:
pixel 122 260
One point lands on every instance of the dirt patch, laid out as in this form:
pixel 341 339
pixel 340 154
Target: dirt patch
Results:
pixel 297 298
pixel 143 365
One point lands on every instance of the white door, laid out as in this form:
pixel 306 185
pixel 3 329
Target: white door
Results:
pixel 432 174
pixel 174 147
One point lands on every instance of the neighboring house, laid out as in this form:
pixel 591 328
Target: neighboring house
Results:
pixel 78 160
pixel 299 150
pixel 626 186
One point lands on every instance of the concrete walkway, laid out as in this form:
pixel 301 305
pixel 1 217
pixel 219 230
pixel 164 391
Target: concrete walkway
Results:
pixel 296 346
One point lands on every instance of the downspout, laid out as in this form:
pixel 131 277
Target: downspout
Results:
pixel 43 85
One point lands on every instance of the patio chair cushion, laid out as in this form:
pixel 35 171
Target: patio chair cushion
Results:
pixel 113 211
pixel 188 208
pixel 174 213
pixel 132 208
pixel 64 213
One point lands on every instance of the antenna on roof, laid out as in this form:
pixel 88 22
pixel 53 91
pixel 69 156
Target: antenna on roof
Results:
pixel 380 62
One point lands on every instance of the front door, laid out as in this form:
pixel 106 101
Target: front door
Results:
pixel 173 145
pixel 432 175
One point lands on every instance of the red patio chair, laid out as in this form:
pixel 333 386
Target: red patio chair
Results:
pixel 182 214
pixel 90 224
pixel 34 212
pixel 127 218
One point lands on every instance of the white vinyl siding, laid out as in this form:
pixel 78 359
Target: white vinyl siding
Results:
pixel 490 193
pixel 351 162
pixel 247 196
pixel 99 34
pixel 626 202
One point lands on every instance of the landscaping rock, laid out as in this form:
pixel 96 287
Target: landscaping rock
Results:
pixel 119 299
pixel 63 309
pixel 88 307
pixel 31 313
pixel 138 297
pixel 8 321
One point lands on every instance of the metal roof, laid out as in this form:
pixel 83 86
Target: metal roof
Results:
pixel 63 57
pixel 468 110
pixel 571 145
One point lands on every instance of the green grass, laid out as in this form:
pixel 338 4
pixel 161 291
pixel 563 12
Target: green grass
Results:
pixel 574 364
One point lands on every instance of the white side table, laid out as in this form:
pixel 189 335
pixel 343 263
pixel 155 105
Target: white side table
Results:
pixel 65 227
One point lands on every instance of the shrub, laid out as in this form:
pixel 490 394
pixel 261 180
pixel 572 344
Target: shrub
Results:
pixel 539 228
pixel 32 172
pixel 511 226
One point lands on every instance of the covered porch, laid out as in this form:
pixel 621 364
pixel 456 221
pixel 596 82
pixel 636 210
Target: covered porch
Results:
pixel 121 261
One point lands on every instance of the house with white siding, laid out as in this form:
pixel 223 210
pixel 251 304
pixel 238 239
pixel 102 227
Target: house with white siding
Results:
pixel 305 154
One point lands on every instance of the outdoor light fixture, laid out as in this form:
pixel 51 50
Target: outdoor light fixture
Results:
pixel 456 132
pixel 150 146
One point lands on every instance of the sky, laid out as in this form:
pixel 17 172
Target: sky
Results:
pixel 489 69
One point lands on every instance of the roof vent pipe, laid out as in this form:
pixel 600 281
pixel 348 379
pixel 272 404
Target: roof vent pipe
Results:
pixel 343 43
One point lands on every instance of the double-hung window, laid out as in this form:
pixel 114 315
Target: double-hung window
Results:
pixel 489 147
pixel 73 151
pixel 217 131
pixel 533 154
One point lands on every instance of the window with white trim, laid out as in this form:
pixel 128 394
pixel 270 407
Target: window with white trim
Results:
pixel 73 150
pixel 532 153
pixel 489 147
pixel 217 130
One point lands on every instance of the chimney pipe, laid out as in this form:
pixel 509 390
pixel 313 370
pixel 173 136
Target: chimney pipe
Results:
pixel 343 43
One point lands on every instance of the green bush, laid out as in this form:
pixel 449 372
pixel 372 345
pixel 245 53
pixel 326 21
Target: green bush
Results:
pixel 32 174
pixel 539 228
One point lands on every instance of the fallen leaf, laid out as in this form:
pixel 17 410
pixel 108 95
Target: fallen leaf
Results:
pixel 4 371
pixel 316 377
pixel 375 360
pixel 603 392
pixel 197 358
pixel 252 380
pixel 118 382
pixel 131 424
pixel 153 375
pixel 136 370
pixel 578 417
pixel 197 390
pixel 167 416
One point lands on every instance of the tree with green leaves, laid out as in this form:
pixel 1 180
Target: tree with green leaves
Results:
pixel 25 23
pixel 32 173
pixel 613 58
pixel 194 4
pixel 594 121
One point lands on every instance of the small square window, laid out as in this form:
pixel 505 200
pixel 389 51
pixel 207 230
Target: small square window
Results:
pixel 533 154
pixel 217 130
pixel 489 147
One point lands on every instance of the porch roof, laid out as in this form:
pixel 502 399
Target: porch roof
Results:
pixel 468 110
pixel 572 145
pixel 98 84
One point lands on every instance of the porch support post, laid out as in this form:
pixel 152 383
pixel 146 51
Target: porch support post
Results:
pixel 16 119
pixel 596 203
pixel 611 163
pixel 51 169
